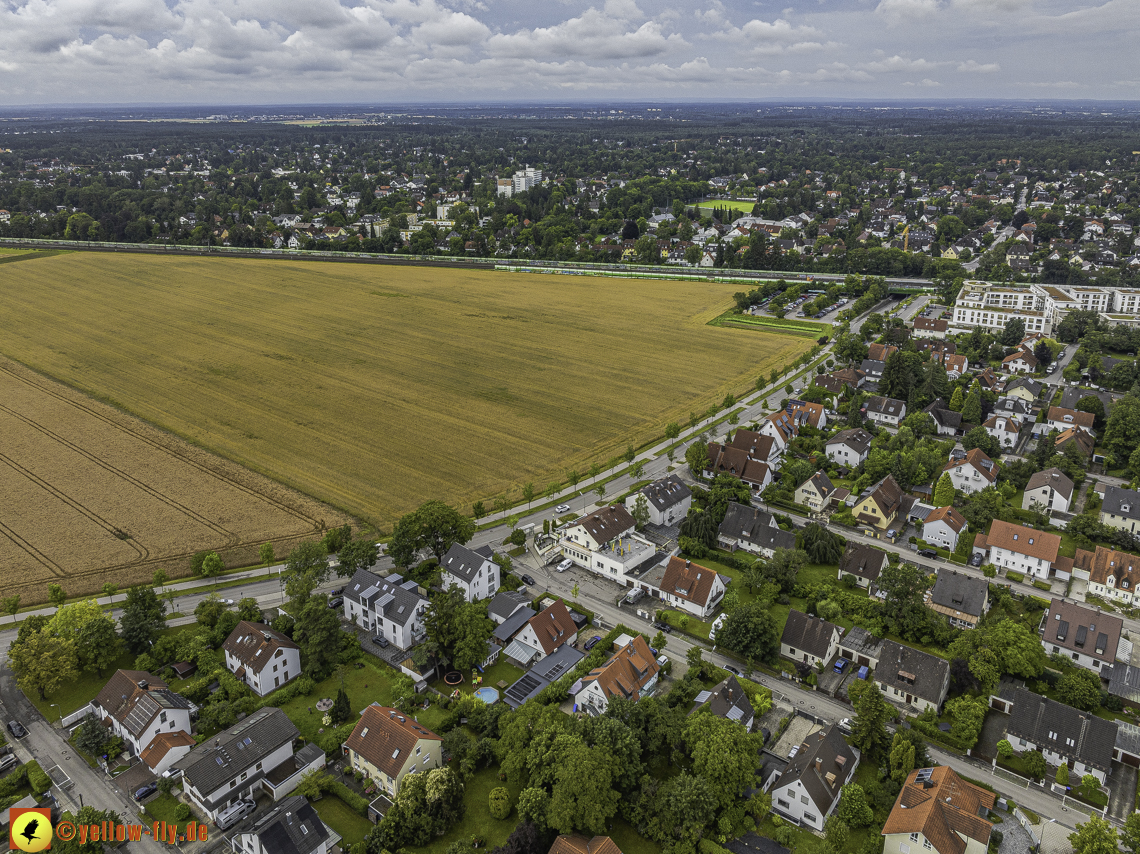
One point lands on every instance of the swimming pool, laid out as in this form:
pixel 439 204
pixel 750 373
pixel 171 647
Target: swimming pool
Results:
pixel 487 695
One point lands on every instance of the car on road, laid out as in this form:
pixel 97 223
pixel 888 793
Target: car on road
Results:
pixel 336 601
pixel 527 579
pixel 9 761
pixel 146 791
pixel 841 665
pixel 928 553
pixel 976 559
pixel 562 508
pixel 565 565
pixel 845 726
pixel 17 729
pixel 734 671
pixel 380 641
pixel 592 642
pixel 227 601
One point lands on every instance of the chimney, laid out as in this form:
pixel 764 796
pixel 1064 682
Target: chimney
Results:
pixel 818 763
pixel 142 684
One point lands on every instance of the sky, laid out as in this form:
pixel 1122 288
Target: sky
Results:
pixel 401 51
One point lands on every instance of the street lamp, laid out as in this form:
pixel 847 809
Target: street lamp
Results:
pixel 56 706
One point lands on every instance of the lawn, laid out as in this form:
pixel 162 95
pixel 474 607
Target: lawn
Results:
pixel 324 376
pixel 364 685
pixel 629 840
pixel 501 671
pixel 334 812
pixel 161 808
pixel 477 821
pixel 744 208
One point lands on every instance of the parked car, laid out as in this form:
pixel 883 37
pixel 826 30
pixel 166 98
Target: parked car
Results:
pixel 17 729
pixel 845 726
pixel 146 791
pixel 9 761
pixel 592 642
pixel 336 601
pixel 562 508
pixel 976 559
pixel 380 641
pixel 527 579
pixel 841 665
pixel 565 565
pixel 928 553
pixel 336 591
pixel 732 670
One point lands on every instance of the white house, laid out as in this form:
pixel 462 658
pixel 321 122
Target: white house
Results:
pixel 140 708
pixel 260 657
pixel 631 672
pixel 1026 550
pixel 1121 509
pixel 1021 362
pixel 389 607
pixel 753 530
pixel 1111 574
pixel 808 789
pixel 938 811
pixel 1062 419
pixel 815 492
pixel 605 543
pixel 886 411
pixel 667 499
pixel 471 570
pixel 1092 639
pixel 911 677
pixel 973 472
pixel 386 745
pixel 810 639
pixel 692 587
pixel 848 447
pixel 943 527
pixel 1005 428
pixel 542 635
pixel 1051 490
pixel 291 827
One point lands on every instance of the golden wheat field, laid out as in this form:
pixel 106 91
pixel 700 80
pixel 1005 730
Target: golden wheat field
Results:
pixel 375 388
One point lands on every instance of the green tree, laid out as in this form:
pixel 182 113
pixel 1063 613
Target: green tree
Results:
pixel 583 796
pixel 91 736
pixel 43 662
pixel 854 808
pixel 944 491
pixel 361 553
pixel 751 631
pixel 1062 772
pixel 109 590
pixel 1034 764
pixel 1122 434
pixel 144 615
pixel 434 526
pixel 821 545
pixel 986 668
pixel 672 430
pixel 836 831
pixel 317 632
pixel 1080 689
pixel 249 610
pixel 533 804
pixel 1095 836
pixel 499 803
pixel 783 568
pixel 723 754
pixel 528 493
pixel 56 595
pixel 869 727
pixel 1130 835
pixel 212 566
pixel 1013 333
pixel 12 605
pixel 210 610
pixel 159 578
pixel 1093 405
pixel 266 555
pixel 972 408
pixel 341 710
pixel 697 458
pixel 957 400
pixel 640 511
pixel 306 568
pixel 901 759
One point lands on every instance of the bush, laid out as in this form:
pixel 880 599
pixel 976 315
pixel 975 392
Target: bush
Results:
pixel 1004 749
pixel 996 836
pixel 989 570
pixel 182 812
pixel 499 803
pixel 1034 764
pixel 1062 775
pixel 39 781
pixel 1015 576
pixel 1042 585
pixel 14 781
pixel 357 803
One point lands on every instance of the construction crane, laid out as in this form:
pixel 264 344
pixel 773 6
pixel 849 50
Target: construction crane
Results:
pixel 906 237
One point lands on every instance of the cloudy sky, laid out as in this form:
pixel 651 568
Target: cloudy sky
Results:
pixel 391 51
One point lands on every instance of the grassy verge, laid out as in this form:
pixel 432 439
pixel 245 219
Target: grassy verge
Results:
pixel 351 826
pixel 771 324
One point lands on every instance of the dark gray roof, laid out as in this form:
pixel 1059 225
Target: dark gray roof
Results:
pixel 886 405
pixel 558 663
pixel 291 827
pixel 527 686
pixel 961 592
pixel 505 603
pixel 1032 386
pixel 1116 499
pixel 946 417
pixel 875 368
pixel 1123 681
pixel 811 634
pixel 836 758
pixel 920 673
pixel 1128 738
pixel 755 526
pixel 463 563
pixel 1034 717
pixel 149 705
pixel 513 624
pixel 666 492
pixel 397 599
pixel 857 439
pixel 1070 397
pixel 1011 406
pixel 859 640
pixel 862 560
pixel 728 700
pixel 222 758
pixel 1053 477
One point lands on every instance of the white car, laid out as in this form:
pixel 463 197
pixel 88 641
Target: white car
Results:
pixel 845 726
pixel 562 508
pixel 565 565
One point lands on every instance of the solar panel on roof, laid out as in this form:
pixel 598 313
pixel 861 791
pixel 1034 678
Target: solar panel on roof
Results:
pixel 735 713
pixel 703 697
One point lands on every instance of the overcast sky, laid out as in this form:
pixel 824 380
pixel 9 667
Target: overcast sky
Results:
pixel 389 51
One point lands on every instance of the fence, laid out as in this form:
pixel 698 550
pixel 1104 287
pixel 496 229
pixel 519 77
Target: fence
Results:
pixel 1010 777
pixel 75 717
pixel 1030 828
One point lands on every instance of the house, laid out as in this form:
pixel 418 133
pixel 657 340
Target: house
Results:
pixel 963 599
pixel 692 587
pixel 1051 490
pixel 1024 389
pixel 781 428
pixel 631 672
pixel 1090 638
pixel 752 470
pixel 880 352
pixel 911 677
pixel 542 673
pixel 878 506
pixel 753 530
pixel 815 493
pixel 1026 550
pixel 956 364
pixel 810 639
pixel 943 527
pixel 938 811
pixel 254 755
pixel 291 827
pixel 389 607
pixel 807 790
pixel 668 500
pixel 604 542
pixel 1063 419
pixel 471 570
pixel 1021 362
pixel 973 472
pixel 542 634
pixel 929 327
pixel 886 411
pixel 806 413
pixel 989 381
pixel 947 422
pixel 260 657
pixel 1112 575
pixel 386 746
pixel 864 563
pixel 1004 428
pixel 166 749
pixel 728 700
pixel 505 604
pixel 1121 509
pixel 861 648
pixel 138 707
pixel 848 447
pixel 581 845
pixel 1085 442
pixel 1063 734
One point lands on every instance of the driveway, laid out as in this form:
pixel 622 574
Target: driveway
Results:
pixel 1015 839
pixel 993 731
pixel 1121 790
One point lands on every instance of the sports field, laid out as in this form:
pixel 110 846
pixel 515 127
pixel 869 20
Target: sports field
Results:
pixel 377 387
pixel 743 208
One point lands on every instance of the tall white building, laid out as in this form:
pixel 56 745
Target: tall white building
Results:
pixel 526 179
pixel 1042 307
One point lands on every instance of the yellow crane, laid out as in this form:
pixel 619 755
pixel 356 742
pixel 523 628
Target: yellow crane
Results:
pixel 906 238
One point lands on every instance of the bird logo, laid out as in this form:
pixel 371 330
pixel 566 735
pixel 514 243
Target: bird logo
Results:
pixel 30 829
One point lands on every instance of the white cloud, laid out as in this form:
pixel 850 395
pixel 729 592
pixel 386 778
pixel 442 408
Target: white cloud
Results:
pixel 899 63
pixel 975 67
pixel 907 8
pixel 594 35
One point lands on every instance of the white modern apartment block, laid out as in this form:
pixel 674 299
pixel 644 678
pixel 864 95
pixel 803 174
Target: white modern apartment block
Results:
pixel 1042 307
pixel 526 179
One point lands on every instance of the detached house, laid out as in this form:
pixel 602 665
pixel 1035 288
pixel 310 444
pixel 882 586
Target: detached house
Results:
pixel 963 599
pixel 910 677
pixel 753 530
pixel 943 527
pixel 886 411
pixel 878 506
pixel 752 470
pixel 807 790
pixel 605 543
pixel 1051 490
pixel 1021 362
pixel 1121 509
pixel 929 327
pixel 864 563
pixel 848 447
pixel 291 827
pixel 668 500
pixel 260 657
pixel 938 811
pixel 692 587
pixel 728 700
pixel 972 473
pixel 631 672
pixel 1027 550
pixel 1084 440
pixel 542 635
pixel 471 570
pixel 1005 428
pixel 1111 574
pixel 1081 740
pixel 142 710
pixel 388 606
pixel 386 746
pixel 809 639
pixel 1090 638
pixel 816 492
pixel 1064 419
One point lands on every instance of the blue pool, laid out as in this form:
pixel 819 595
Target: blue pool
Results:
pixel 487 695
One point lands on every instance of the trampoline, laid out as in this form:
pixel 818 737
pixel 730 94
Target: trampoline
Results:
pixel 453 678
pixel 488 695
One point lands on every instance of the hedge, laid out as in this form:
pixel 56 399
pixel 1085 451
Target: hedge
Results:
pixel 14 781
pixel 931 730
pixel 1042 585
pixel 1015 576
pixel 37 779
pixel 357 803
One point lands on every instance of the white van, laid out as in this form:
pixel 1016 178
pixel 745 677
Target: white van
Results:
pixel 565 565
pixel 234 813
